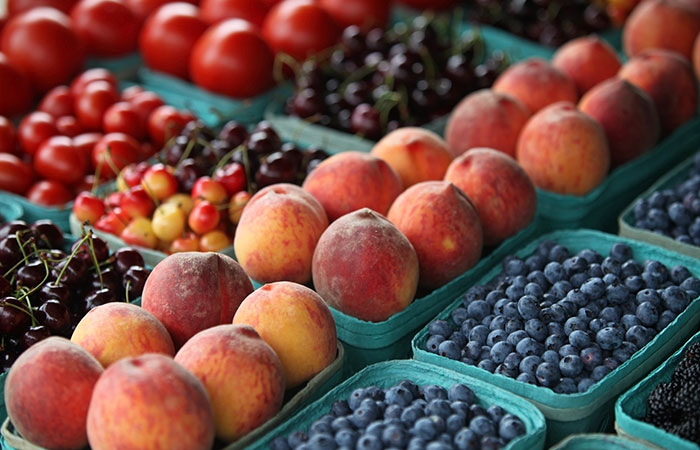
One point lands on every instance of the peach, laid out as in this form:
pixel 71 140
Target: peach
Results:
pixel 588 61
pixel 563 150
pixel 191 291
pixel 114 331
pixel 277 234
pixel 696 57
pixel 486 119
pixel 690 4
pixel 365 267
pixel 444 228
pixel 627 115
pixel 536 84
pixel 499 188
pixel 348 181
pixel 661 24
pixel 296 323
pixel 416 154
pixel 47 393
pixel 241 373
pixel 668 79
pixel 149 401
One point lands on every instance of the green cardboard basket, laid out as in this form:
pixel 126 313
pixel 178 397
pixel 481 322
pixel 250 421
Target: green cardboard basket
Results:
pixel 213 109
pixel 10 210
pixel 600 442
pixel 123 68
pixel 34 212
pixel 631 407
pixel 592 410
pixel 370 342
pixel 600 208
pixel 389 373
pixel 627 221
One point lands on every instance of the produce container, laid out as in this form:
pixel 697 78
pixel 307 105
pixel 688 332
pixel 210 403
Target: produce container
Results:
pixel 600 208
pixel 33 212
pixel 389 373
pixel 213 109
pixel 369 342
pixel 10 210
pixel 631 407
pixel 600 442
pixel 592 410
pixel 315 388
pixel 124 68
pixel 627 220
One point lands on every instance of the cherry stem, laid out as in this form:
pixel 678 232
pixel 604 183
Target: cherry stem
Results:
pixel 70 258
pixel 96 181
pixel 225 159
pixel 126 291
pixel 94 259
pixel 278 68
pixel 186 153
pixel 110 161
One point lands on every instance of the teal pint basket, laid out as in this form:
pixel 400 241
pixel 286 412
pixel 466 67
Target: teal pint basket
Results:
pixel 389 373
pixel 10 210
pixel 33 212
pixel 591 411
pixel 627 220
pixel 124 68
pixel 600 442
pixel 370 342
pixel 632 406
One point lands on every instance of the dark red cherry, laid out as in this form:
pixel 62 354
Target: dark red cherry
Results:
pixel 47 233
pixel 31 274
pixel 14 316
pixel 55 291
pixel 55 316
pixel 134 280
pixel 126 257
pixel 34 335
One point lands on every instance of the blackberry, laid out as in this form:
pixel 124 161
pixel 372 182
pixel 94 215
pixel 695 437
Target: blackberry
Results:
pixel 658 404
pixel 688 429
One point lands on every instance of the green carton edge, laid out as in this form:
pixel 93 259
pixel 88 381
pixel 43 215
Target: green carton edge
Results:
pixel 600 441
pixel 574 408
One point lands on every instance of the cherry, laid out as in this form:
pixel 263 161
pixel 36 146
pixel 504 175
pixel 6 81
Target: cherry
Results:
pixel 55 291
pixel 12 227
pixel 55 316
pixel 306 103
pixel 276 169
pixel 232 177
pixel 459 71
pixel 186 174
pixel 375 40
pixel 357 92
pixel 10 252
pixel 34 335
pixel 293 153
pixel 5 287
pixel 96 298
pixel 7 358
pixel 365 121
pixel 125 258
pixel 14 316
pixel 233 133
pixel 88 207
pixel 54 256
pixel 31 274
pixel 353 41
pixel 74 273
pixel 134 280
pixel 110 280
pixel 47 233
pixel 99 246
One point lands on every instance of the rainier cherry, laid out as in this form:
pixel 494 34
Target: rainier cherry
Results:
pixel 207 189
pixel 159 182
pixel 139 232
pixel 204 217
pixel 88 207
pixel 187 243
pixel 137 203
pixel 168 222
pixel 214 241
pixel 232 176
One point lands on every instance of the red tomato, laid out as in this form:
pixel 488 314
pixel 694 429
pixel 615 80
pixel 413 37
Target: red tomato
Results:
pixel 92 104
pixel 15 175
pixel 49 193
pixel 123 117
pixel 113 152
pixel 233 59
pixel 214 11
pixel 78 85
pixel 107 27
pixel 366 14
pixel 34 129
pixel 168 36
pixel 145 103
pixel 15 90
pixel 15 7
pixel 42 44
pixel 144 8
pixel 7 136
pixel 58 160
pixel 164 123
pixel 68 126
pixel 57 102
pixel 429 4
pixel 84 143
pixel 131 92
pixel 300 28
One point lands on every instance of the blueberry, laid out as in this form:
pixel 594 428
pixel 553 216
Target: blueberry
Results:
pixel 571 365
pixel 639 335
pixel 634 283
pixel 595 271
pixel 369 442
pixel 625 352
pixel 496 336
pixel 487 364
pixel 640 209
pixel 395 436
pixel 690 284
pixel 410 415
pixel 610 278
pixel 279 443
pixel 630 320
pixel 438 445
pixel 609 338
pixel 560 289
pixel 498 323
pixel 675 299
pixel 547 374
pixel 573 324
pixel 514 266
pixel 600 372
pixel 577 297
pixel 551 356
pixel 658 218
pixel 440 328
pixel 536 329
pixel 537 276
pixel 340 408
pixel 566 386
pixel 515 337
pixel 513 325
pixel 554 272
pixel 478 309
pixel 467 326
pixel 439 407
pixel 510 310
pixel 630 268
pixel 591 256
pixel 365 414
pixel 459 315
pixel 466 439
pixel 529 347
pixel 678 274
pixel 482 426
pixel 652 280
pixel 554 342
pixel 585 314
pixel 568 306
pixel 485 352
pixel 617 293
pixel 479 334
pixel 527 378
pixel 558 253
pixel 534 262
pixel 544 247
pixel 477 410
pixel 322 441
pixel 433 391
pixel 321 426
pixel 529 364
pixel 553 314
pixel 472 350
pixel 657 200
pixel 579 339
pixel 461 408
pixel 433 343
pixel 656 267
pixel 397 395
pixel 499 351
pixel 500 307
pixel 591 357
pixel 620 252
pixel 356 398
pixel 459 339
pixel 425 428
pixel 495 296
pixel 610 265
pixel 609 314
pixel 297 438
pixel 648 314
pixel 455 422
pixel 568 349
pixel 491 443
pixel 578 279
pixel 514 292
pixel 534 290
pixel 611 363
pixel 393 412
pixel 648 295
pixel 513 361
pixel 666 318
pixel 477 292
pixel 449 349
pixel 596 325
pixel 416 443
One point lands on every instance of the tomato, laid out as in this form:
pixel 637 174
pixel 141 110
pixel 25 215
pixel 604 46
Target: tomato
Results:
pixel 233 59
pixel 214 11
pixel 34 129
pixel 429 4
pixel 366 14
pixel 91 105
pixel 81 81
pixel 145 8
pixel 145 103
pixel 68 126
pixel 84 143
pixel 49 193
pixel 113 152
pixel 15 89
pixel 164 123
pixel 15 7
pixel 300 28
pixel 15 175
pixel 123 117
pixel 107 27
pixel 58 160
pixel 168 36
pixel 42 44
pixel 131 92
pixel 57 102
pixel 7 136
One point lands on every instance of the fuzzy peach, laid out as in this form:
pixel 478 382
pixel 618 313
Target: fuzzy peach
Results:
pixel 588 61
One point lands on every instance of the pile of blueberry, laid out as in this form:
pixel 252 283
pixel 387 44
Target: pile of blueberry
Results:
pixel 674 212
pixel 564 321
pixel 408 416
